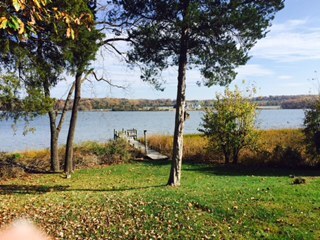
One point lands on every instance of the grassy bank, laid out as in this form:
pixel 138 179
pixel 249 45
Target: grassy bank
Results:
pixel 281 148
pixel 86 155
pixel 130 201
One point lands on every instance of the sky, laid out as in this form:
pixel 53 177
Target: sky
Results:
pixel 286 62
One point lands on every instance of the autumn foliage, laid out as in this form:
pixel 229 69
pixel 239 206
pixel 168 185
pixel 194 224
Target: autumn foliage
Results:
pixel 23 17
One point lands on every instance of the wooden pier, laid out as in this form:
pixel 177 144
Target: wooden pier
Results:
pixel 131 136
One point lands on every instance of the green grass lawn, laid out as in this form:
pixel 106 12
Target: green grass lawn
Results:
pixel 132 202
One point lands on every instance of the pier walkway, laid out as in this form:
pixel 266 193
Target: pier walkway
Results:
pixel 131 136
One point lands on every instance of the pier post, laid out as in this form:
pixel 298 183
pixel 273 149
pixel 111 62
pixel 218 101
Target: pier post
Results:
pixel 145 142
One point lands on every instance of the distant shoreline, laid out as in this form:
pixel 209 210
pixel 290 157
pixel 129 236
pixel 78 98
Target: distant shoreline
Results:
pixel 173 109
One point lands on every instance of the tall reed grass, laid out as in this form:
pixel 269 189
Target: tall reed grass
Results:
pixel 274 147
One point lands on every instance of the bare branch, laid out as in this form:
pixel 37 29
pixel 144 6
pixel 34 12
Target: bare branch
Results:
pixel 114 48
pixel 116 39
pixel 107 81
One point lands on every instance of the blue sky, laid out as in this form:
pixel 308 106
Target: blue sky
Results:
pixel 284 63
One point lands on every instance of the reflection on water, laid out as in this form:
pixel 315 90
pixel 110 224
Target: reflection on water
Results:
pixel 99 126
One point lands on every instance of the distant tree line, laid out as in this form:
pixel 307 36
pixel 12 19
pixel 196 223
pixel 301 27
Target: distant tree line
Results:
pixel 287 102
pixel 123 104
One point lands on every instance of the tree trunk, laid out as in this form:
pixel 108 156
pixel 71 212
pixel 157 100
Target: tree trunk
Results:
pixel 175 172
pixel 68 166
pixel 54 136
pixel 226 157
pixel 235 157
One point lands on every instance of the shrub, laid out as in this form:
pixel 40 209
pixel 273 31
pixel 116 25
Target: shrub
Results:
pixel 230 124
pixel 9 171
pixel 90 154
pixel 286 156
pixel 117 151
pixel 312 131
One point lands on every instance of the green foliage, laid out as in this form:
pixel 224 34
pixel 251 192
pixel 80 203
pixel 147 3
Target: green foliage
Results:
pixel 10 88
pixel 230 124
pixel 119 151
pixel 24 18
pixel 217 35
pixel 312 130
pixel 79 52
pixel 18 101
pixel 37 102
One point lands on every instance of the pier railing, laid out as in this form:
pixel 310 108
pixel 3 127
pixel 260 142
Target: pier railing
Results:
pixel 130 133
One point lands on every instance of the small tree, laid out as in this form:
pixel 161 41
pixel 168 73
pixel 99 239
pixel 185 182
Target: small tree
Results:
pixel 79 53
pixel 229 125
pixel 312 130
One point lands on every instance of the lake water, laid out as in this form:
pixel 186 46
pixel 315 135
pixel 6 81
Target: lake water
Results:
pixel 99 126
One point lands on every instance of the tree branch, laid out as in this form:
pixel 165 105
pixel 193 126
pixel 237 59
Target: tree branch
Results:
pixel 107 81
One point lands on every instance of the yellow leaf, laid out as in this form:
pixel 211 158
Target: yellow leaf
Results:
pixel 33 21
pixel 22 4
pixel 44 2
pixel 68 32
pixel 77 21
pixel 3 22
pixel 36 2
pixel 22 28
pixel 16 5
pixel 37 16
pixel 67 19
pixel 72 34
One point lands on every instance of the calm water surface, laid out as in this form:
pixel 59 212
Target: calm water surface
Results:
pixel 99 126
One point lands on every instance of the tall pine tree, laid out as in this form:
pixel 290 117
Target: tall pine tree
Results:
pixel 211 35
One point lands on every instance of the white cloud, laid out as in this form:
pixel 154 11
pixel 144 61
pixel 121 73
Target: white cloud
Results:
pixel 285 77
pixel 253 70
pixel 290 25
pixel 293 84
pixel 292 41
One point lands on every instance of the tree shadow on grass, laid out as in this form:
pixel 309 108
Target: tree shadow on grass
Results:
pixel 42 189
pixel 240 170
pixel 154 162
pixel 263 171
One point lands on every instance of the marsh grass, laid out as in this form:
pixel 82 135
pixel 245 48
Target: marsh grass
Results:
pixel 274 147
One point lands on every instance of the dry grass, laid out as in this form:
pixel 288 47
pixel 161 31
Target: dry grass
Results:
pixel 86 155
pixel 286 138
pixel 273 145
